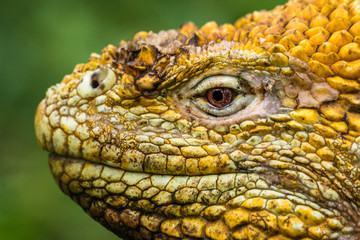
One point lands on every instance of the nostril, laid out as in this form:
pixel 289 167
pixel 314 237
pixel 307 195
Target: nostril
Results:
pixel 95 79
pixel 94 83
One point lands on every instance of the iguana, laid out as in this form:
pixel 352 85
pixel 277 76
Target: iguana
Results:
pixel 243 131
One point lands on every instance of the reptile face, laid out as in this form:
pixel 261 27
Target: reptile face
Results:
pixel 244 131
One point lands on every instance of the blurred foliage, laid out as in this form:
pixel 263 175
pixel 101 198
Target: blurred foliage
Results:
pixel 40 42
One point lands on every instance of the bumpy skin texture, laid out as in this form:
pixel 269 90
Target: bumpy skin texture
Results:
pixel 135 141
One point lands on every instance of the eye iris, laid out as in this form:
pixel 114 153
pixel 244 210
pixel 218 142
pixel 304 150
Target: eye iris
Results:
pixel 220 97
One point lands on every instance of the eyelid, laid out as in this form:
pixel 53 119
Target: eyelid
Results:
pixel 224 81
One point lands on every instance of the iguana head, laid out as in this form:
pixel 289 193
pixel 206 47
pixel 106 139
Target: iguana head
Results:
pixel 244 131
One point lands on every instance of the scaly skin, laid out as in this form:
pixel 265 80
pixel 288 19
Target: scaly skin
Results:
pixel 139 146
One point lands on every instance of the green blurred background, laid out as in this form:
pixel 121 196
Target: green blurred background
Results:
pixel 41 41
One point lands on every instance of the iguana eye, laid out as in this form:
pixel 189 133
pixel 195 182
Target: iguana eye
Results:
pixel 220 97
pixel 221 100
pixel 96 82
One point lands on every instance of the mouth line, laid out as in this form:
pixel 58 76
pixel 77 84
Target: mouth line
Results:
pixel 243 180
pixel 273 179
pixel 270 179
pixel 68 159
pixel 116 165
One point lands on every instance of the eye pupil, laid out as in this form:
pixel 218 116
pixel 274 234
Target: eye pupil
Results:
pixel 220 97
pixel 217 95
